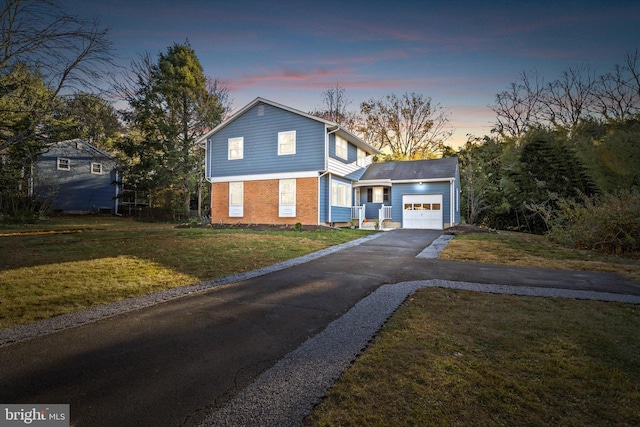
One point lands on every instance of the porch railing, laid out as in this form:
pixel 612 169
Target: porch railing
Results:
pixel 357 212
pixel 384 213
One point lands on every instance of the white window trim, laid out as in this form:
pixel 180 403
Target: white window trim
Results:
pixel 378 195
pixel 61 168
pixel 240 141
pixel 99 166
pixel 281 136
pixel 286 210
pixel 346 148
pixel 236 209
pixel 340 193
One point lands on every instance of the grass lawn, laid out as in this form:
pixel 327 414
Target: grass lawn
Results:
pixel 531 250
pixel 67 264
pixel 445 358
pixel 461 358
pixel 464 358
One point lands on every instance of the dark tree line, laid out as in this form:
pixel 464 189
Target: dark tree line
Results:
pixel 560 151
pixel 54 69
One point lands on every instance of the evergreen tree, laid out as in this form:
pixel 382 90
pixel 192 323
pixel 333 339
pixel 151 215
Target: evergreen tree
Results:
pixel 171 107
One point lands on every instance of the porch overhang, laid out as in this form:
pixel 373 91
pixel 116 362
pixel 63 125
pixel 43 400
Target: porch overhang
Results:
pixel 373 183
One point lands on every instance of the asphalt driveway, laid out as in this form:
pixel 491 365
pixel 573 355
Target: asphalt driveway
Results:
pixel 174 362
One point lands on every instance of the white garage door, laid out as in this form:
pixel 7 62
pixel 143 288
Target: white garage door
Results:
pixel 422 211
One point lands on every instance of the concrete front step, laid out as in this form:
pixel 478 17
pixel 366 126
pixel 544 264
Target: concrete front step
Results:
pixel 371 225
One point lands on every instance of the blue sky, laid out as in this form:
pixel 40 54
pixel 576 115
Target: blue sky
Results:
pixel 459 53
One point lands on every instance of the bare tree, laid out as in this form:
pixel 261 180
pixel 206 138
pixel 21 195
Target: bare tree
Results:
pixel 334 108
pixel 570 98
pixel 38 38
pixel 410 125
pixel 615 97
pixel 633 68
pixel 519 107
pixel 66 50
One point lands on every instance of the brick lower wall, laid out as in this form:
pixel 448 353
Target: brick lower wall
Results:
pixel 261 202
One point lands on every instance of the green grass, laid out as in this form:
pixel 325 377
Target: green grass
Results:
pixel 464 358
pixel 71 263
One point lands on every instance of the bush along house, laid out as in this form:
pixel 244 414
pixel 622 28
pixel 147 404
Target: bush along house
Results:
pixel 272 164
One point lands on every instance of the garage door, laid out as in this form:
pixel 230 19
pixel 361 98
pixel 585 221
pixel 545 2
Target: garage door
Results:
pixel 422 211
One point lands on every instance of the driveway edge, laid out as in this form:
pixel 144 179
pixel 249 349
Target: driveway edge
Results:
pixel 285 394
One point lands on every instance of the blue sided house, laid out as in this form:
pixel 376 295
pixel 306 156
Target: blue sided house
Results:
pixel 77 178
pixel 272 164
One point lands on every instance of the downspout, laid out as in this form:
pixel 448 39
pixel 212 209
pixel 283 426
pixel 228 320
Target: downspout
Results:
pixel 319 194
pixel 452 205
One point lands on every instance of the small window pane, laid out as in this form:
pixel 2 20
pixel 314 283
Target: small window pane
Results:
pixel 235 193
pixel 436 206
pixel 426 206
pixel 286 143
pixel 378 195
pixel 236 148
pixel 64 164
pixel 408 207
pixel 287 192
pixel 341 147
pixel 96 168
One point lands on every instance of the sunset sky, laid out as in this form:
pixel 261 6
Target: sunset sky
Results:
pixel 459 53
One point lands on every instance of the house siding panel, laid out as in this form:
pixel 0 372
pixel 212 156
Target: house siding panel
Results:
pixel 261 202
pixel 76 190
pixel 325 198
pixel 260 133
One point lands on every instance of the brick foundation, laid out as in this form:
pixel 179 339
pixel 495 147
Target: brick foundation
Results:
pixel 261 202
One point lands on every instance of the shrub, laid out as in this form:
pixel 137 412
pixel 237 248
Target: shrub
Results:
pixel 607 223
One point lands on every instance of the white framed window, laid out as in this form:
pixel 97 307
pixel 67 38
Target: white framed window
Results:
pixel 340 194
pixel 362 158
pixel 287 198
pixel 286 143
pixel 96 168
pixel 64 164
pixel 236 148
pixel 378 195
pixel 236 199
pixel 341 147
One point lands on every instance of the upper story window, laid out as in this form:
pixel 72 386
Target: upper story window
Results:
pixel 341 147
pixel 362 157
pixel 64 164
pixel 236 148
pixel 286 143
pixel 96 168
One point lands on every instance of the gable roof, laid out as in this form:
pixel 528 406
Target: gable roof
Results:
pixel 335 127
pixel 82 145
pixel 412 170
